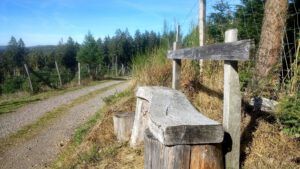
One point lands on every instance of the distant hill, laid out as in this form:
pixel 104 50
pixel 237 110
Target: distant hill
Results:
pixel 2 48
pixel 44 48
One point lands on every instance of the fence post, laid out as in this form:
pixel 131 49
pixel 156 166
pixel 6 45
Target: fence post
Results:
pixel 79 73
pixel 176 64
pixel 29 79
pixel 59 78
pixel 232 106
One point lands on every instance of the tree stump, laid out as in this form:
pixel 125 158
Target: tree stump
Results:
pixel 160 156
pixel 123 123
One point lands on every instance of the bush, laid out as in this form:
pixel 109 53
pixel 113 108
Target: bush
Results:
pixel 13 84
pixel 289 114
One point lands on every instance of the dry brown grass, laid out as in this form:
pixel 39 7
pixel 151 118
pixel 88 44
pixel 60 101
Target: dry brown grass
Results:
pixel 208 95
pixel 271 148
pixel 154 69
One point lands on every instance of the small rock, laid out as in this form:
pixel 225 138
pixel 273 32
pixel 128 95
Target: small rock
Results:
pixel 61 144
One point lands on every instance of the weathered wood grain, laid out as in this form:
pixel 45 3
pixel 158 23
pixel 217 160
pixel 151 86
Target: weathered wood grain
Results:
pixel 239 50
pixel 160 156
pixel 176 70
pixel 207 157
pixel 174 121
pixel 123 123
pixel 232 105
pixel 140 122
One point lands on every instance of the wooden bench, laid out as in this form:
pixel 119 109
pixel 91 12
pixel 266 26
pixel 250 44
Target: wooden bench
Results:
pixel 176 131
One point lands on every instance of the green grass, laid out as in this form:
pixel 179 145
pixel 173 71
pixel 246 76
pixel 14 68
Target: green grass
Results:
pixel 289 115
pixel 33 129
pixel 12 102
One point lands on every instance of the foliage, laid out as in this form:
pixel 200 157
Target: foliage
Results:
pixel 13 84
pixel 89 54
pixel 289 114
pixel 219 21
pixel 249 16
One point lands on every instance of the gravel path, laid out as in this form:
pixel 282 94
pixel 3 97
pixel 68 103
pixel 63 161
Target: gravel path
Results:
pixel 39 151
pixel 12 122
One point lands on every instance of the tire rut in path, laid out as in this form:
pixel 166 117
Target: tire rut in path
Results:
pixel 39 151
pixel 14 121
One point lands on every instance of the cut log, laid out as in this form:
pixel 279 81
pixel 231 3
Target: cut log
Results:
pixel 123 123
pixel 174 121
pixel 159 156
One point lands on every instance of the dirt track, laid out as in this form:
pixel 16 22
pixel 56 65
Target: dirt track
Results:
pixel 12 122
pixel 39 151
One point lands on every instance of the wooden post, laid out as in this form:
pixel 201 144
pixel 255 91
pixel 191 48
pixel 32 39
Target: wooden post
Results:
pixel 116 66
pixel 29 79
pixel 140 122
pixel 59 78
pixel 202 17
pixel 232 105
pixel 79 73
pixel 123 123
pixel 176 70
pixel 123 70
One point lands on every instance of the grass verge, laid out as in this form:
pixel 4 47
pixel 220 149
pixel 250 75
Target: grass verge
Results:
pixel 33 129
pixel 94 144
pixel 10 103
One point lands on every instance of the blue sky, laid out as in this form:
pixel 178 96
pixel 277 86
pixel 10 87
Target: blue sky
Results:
pixel 45 22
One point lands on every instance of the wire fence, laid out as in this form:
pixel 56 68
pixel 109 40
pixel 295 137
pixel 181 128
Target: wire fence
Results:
pixel 248 16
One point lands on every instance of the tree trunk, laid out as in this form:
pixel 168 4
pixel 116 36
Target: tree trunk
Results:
pixel 270 46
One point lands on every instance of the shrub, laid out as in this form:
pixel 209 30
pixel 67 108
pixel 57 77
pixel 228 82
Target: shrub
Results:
pixel 13 84
pixel 289 114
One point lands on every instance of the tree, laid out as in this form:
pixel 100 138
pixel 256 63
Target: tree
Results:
pixel 69 55
pixel 90 54
pixel 10 56
pixel 20 58
pixel 270 45
pixel 249 17
pixel 219 21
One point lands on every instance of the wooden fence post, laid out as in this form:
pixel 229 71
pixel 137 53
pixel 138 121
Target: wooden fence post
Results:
pixel 232 105
pixel 79 73
pixel 59 78
pixel 29 79
pixel 176 64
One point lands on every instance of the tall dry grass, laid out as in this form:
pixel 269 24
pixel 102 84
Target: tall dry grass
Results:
pixel 152 69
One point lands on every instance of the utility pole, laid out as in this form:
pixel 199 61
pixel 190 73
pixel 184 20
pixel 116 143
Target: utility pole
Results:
pixel 202 18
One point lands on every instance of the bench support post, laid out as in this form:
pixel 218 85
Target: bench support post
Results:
pixel 232 106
